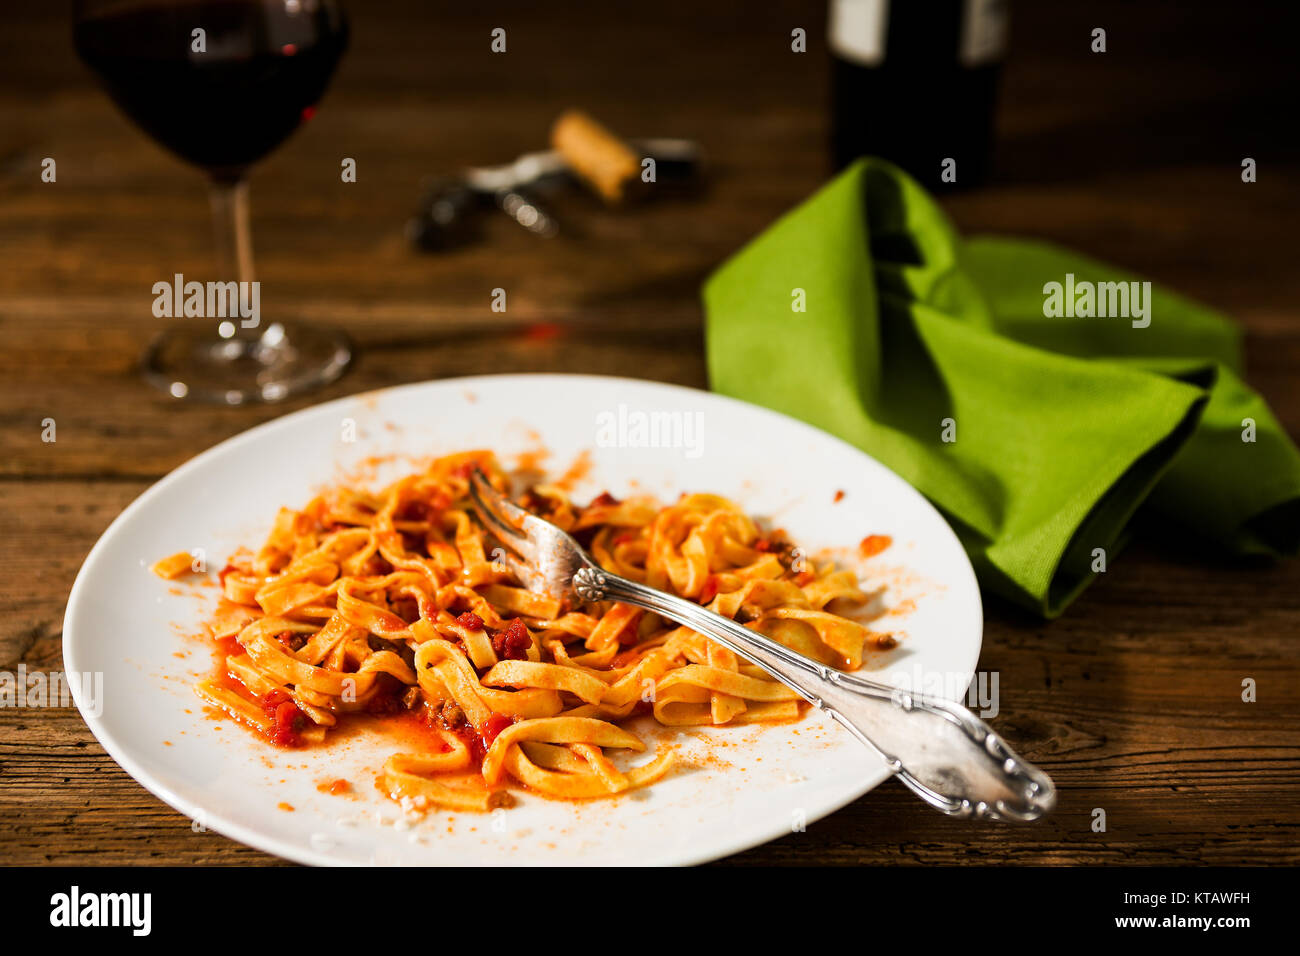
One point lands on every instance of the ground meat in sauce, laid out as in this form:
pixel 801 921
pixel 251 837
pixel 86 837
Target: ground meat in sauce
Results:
pixel 450 715
pixel 413 511
pixel 292 639
pixel 401 650
pixel 783 549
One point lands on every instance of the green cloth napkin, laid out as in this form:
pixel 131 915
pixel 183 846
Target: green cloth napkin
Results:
pixel 1060 427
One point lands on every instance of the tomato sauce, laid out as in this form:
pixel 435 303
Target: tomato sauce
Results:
pixel 873 544
pixel 710 589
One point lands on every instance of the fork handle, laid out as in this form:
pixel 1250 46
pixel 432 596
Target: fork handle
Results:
pixel 949 757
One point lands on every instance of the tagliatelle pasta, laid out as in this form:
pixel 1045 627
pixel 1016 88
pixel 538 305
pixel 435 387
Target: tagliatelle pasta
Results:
pixel 391 603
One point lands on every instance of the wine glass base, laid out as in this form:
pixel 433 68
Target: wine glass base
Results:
pixel 269 365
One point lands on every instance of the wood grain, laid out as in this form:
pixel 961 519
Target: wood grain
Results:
pixel 1132 700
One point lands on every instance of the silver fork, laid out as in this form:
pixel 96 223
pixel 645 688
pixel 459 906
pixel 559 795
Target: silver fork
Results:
pixel 949 757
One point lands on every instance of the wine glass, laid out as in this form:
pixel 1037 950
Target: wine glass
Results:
pixel 221 83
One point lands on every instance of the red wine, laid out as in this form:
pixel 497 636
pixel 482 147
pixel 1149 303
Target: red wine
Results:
pixel 264 67
pixel 915 81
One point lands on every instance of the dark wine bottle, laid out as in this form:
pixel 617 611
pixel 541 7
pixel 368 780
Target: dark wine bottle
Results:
pixel 915 82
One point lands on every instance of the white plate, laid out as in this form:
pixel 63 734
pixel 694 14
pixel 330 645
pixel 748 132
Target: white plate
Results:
pixel 739 786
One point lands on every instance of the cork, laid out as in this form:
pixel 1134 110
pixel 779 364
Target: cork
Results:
pixel 602 160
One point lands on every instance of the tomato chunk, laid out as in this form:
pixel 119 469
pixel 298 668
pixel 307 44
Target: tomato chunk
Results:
pixel 512 644
pixel 287 721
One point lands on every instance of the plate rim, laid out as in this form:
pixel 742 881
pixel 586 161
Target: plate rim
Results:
pixel 259 840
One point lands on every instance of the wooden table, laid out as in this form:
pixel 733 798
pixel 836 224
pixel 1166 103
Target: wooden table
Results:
pixel 1132 700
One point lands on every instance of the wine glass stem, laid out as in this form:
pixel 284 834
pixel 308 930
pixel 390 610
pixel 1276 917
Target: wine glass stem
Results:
pixel 230 220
